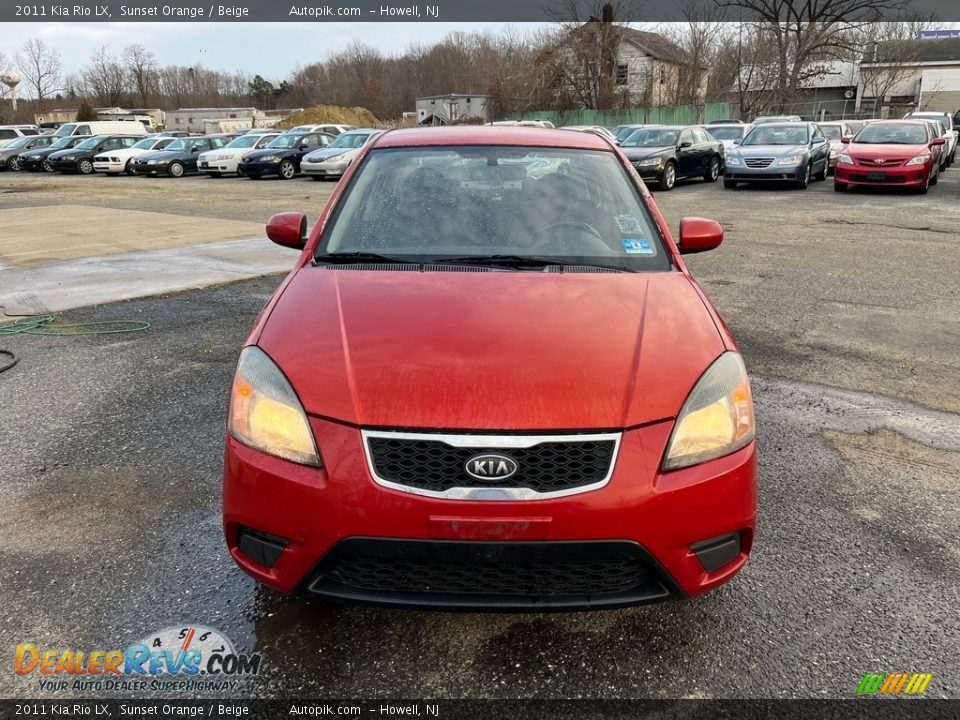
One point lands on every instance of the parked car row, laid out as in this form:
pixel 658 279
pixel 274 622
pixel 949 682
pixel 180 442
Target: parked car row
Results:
pixel 302 150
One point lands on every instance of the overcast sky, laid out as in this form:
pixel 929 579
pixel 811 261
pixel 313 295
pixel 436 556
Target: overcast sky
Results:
pixel 270 49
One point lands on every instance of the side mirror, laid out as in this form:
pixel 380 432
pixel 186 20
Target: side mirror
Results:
pixel 736 141
pixel 699 235
pixel 818 140
pixel 288 229
pixel 685 145
pixel 846 139
pixel 938 141
pixel 304 146
pixel 194 149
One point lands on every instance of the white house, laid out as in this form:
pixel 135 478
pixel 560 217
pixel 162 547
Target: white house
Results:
pixel 451 108
pixel 906 74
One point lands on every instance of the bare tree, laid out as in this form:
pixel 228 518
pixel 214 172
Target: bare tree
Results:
pixel 106 77
pixel 141 65
pixel 40 66
pixel 804 32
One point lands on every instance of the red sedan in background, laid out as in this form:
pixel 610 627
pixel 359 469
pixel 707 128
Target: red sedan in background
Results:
pixel 901 153
pixel 490 382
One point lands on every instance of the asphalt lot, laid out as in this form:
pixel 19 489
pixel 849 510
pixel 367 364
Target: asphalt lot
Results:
pixel 846 310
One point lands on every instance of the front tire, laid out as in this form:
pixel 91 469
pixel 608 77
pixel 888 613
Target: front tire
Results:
pixel 713 172
pixel 287 170
pixel 822 175
pixel 85 167
pixel 13 164
pixel 805 182
pixel 669 177
pixel 128 168
pixel 175 169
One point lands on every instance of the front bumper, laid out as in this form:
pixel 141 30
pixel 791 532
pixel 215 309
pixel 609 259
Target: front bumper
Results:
pixel 217 166
pixel 336 533
pixel 335 169
pixel 144 169
pixel 258 168
pixel 109 167
pixel 65 166
pixel 31 165
pixel 903 176
pixel 771 173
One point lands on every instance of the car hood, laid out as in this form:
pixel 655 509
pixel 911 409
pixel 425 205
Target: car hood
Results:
pixel 491 350
pixel 164 155
pixel 224 153
pixel 635 153
pixel 254 155
pixel 321 155
pixel 770 150
pixel 6 152
pixel 57 154
pixel 127 152
pixel 886 152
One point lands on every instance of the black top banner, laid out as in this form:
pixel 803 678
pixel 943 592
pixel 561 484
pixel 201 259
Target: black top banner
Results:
pixel 463 10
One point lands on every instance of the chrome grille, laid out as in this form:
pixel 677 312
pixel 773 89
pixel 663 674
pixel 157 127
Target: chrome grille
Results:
pixel 758 162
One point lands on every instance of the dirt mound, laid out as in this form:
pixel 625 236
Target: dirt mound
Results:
pixel 358 116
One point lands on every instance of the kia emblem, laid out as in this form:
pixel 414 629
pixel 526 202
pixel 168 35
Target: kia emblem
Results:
pixel 490 467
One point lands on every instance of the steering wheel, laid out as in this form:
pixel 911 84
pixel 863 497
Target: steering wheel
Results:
pixel 589 240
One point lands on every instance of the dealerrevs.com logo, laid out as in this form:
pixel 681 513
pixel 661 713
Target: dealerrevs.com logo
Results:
pixel 174 659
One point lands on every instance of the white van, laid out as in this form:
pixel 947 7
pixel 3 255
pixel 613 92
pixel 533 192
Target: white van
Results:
pixel 101 127
pixel 9 133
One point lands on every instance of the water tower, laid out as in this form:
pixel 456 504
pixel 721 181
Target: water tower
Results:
pixel 11 79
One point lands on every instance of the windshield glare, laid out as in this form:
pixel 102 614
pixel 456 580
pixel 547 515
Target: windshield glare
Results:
pixel 65 130
pixel 892 134
pixel 91 143
pixel 147 143
pixel 284 141
pixel 62 143
pixel 432 203
pixel 777 135
pixel 725 133
pixel 20 142
pixel 176 145
pixel 349 140
pixel 652 138
pixel 245 141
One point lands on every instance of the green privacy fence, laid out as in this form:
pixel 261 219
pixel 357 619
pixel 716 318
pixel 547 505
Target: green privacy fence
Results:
pixel 666 115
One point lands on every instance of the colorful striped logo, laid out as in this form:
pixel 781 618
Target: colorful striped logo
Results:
pixel 894 683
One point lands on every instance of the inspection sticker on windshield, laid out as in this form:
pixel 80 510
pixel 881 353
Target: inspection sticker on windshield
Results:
pixel 637 246
pixel 628 224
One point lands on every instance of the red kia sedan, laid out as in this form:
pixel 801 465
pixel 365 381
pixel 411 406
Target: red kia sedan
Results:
pixel 900 153
pixel 490 382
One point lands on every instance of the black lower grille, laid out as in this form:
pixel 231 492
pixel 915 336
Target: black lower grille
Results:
pixel 489 574
pixel 436 466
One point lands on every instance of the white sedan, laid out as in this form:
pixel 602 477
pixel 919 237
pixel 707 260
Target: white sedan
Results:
pixel 225 160
pixel 118 161
pixel 333 160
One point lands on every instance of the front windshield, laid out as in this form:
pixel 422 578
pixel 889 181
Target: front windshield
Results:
pixel 466 204
pixel 652 137
pixel 147 144
pixel 832 132
pixel 245 141
pixel 176 145
pixel 21 142
pixel 892 134
pixel 284 141
pixel 624 132
pixel 777 135
pixel 725 133
pixel 89 143
pixel 65 130
pixel 349 140
pixel 64 142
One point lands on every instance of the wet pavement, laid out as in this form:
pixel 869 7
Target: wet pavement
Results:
pixel 110 488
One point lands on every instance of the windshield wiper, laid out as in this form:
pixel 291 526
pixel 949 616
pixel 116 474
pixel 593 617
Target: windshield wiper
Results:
pixel 519 261
pixel 361 257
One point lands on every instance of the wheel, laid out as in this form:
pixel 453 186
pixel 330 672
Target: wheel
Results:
pixel 730 184
pixel 13 163
pixel 48 166
pixel 713 172
pixel 175 169
pixel 822 175
pixel 923 189
pixel 85 167
pixel 286 171
pixel 805 183
pixel 839 186
pixel 128 168
pixel 214 174
pixel 669 177
pixel 935 179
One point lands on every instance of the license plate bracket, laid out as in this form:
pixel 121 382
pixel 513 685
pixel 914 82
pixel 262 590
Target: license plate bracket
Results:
pixel 876 176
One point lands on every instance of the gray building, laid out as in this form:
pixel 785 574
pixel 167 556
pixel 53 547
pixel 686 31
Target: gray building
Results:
pixel 452 108
pixel 193 119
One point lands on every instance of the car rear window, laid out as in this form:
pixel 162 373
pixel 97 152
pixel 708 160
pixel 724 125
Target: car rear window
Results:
pixel 436 202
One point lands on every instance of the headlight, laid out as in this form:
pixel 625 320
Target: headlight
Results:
pixel 844 159
pixel 717 417
pixel 265 412
pixel 833 153
pixel 918 160
pixel 69 158
pixel 650 162
pixel 793 160
pixel 268 158
pixel 733 160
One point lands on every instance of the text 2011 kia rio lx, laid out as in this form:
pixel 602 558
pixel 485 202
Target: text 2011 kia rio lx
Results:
pixel 490 382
